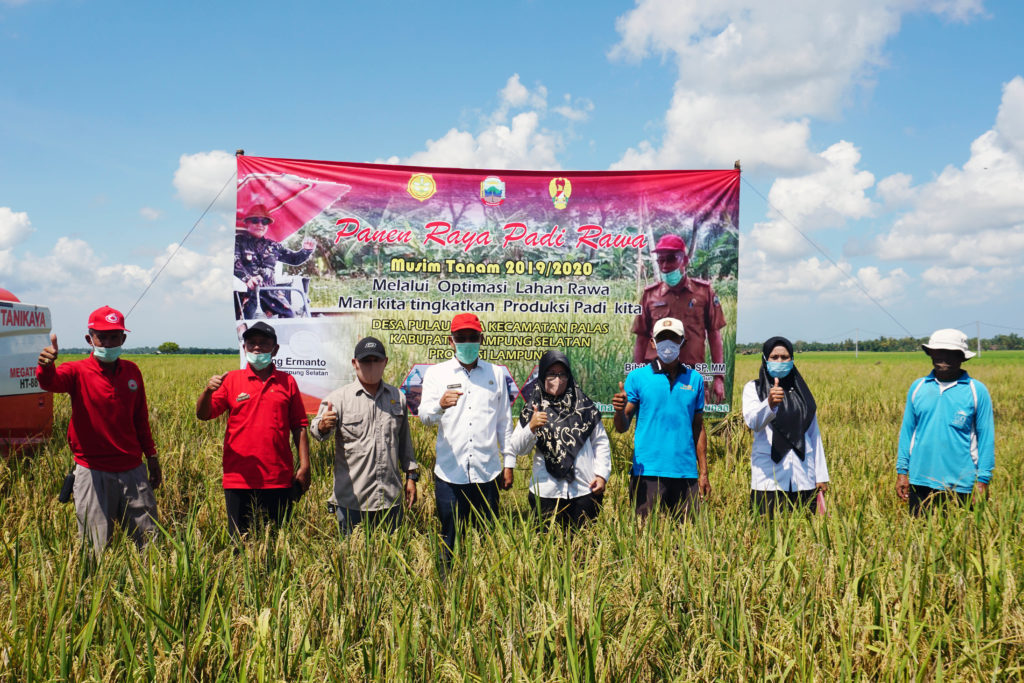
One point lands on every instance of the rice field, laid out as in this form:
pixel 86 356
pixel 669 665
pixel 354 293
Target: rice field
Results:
pixel 864 593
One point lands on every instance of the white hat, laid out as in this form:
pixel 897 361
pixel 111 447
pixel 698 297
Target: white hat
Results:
pixel 669 325
pixel 949 339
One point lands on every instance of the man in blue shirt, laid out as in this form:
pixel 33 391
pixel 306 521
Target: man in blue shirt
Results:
pixel 670 466
pixel 947 443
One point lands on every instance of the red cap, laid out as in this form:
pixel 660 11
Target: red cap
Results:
pixel 466 321
pixel 258 211
pixel 671 243
pixel 107 318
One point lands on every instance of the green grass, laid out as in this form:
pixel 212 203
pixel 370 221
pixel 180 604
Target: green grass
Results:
pixel 866 593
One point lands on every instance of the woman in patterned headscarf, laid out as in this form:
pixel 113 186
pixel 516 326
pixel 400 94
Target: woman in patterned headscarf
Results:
pixel 787 462
pixel 572 455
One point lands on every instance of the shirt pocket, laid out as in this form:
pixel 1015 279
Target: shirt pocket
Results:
pixel 352 430
pixel 659 310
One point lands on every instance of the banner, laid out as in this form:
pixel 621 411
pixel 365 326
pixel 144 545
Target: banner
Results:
pixel 331 252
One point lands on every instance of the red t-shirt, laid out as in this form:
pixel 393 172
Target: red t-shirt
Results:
pixel 261 417
pixel 109 428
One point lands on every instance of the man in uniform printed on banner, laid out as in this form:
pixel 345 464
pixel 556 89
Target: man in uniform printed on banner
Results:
pixel 108 433
pixel 685 298
pixel 255 260
pixel 372 446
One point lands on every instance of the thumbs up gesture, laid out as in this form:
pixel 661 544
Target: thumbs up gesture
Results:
pixel 619 399
pixel 775 395
pixel 539 419
pixel 329 418
pixel 214 382
pixel 48 356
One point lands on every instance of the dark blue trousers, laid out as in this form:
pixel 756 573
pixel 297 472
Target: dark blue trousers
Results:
pixel 459 505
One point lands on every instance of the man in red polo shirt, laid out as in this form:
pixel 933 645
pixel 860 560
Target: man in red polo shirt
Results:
pixel 264 406
pixel 108 433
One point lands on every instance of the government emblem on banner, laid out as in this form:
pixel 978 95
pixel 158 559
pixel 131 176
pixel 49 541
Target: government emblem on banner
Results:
pixel 421 186
pixel 560 189
pixel 492 190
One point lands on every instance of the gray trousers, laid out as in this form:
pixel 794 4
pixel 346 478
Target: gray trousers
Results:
pixel 105 498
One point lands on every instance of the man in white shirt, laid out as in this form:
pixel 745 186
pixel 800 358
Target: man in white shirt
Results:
pixel 466 398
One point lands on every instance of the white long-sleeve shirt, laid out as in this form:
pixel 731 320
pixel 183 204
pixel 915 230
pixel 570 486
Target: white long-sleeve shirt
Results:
pixel 791 473
pixel 593 460
pixel 474 436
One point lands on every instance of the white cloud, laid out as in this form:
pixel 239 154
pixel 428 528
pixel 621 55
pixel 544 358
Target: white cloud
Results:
pixel 825 198
pixel 201 176
pixel 522 142
pixel 14 227
pixel 149 213
pixel 752 72
pixel 972 215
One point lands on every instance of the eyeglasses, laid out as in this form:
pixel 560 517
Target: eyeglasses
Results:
pixel 557 375
pixel 258 220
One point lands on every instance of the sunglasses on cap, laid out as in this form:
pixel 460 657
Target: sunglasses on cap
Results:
pixel 260 221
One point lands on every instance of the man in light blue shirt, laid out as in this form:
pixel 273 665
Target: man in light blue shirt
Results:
pixel 670 467
pixel 947 443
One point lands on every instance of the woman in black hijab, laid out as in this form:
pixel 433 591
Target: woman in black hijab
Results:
pixel 787 462
pixel 572 454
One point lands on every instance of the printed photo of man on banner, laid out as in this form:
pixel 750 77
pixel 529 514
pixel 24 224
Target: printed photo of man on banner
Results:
pixel 583 262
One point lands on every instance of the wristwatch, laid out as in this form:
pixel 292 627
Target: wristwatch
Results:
pixel 412 475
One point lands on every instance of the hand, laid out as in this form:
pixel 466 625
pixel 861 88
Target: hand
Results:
pixel 450 398
pixel 303 477
pixel 619 399
pixel 903 486
pixel 822 486
pixel 980 491
pixel 775 395
pixel 156 475
pixel 48 356
pixel 254 282
pixel 308 244
pixel 506 479
pixel 539 419
pixel 410 493
pixel 597 486
pixel 704 486
pixel 718 389
pixel 329 419
pixel 214 382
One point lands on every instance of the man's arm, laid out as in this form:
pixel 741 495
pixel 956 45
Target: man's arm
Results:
pixel 145 435
pixel 204 404
pixel 302 446
pixel 700 444
pixel 984 427
pixel 624 410
pixel 326 419
pixel 643 342
pixel 50 377
pixel 430 401
pixel 906 437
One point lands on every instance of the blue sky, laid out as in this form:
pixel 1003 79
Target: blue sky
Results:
pixel 890 131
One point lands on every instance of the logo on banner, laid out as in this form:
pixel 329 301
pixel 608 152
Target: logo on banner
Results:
pixel 492 191
pixel 560 189
pixel 421 186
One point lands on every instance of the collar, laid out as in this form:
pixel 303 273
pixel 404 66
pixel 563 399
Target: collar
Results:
pixel 683 284
pixel 658 368
pixel 102 367
pixel 962 379
pixel 384 388
pixel 250 374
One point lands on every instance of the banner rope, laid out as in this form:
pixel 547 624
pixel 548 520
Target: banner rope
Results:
pixel 831 260
pixel 182 242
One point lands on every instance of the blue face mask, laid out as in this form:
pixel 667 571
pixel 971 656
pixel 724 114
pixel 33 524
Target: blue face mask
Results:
pixel 668 350
pixel 106 354
pixel 673 277
pixel 467 352
pixel 779 368
pixel 258 361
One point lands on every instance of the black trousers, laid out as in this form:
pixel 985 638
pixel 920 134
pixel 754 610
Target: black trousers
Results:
pixel 767 502
pixel 459 505
pixel 244 505
pixel 926 499
pixel 569 513
pixel 677 496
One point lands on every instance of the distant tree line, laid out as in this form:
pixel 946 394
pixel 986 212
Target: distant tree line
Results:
pixel 1000 342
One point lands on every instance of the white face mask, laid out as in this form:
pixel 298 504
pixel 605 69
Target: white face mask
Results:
pixel 668 350
pixel 258 361
pixel 106 354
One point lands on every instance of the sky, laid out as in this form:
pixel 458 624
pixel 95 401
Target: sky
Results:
pixel 882 141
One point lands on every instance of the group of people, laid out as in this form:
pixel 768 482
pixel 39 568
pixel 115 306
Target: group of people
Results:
pixel 946 447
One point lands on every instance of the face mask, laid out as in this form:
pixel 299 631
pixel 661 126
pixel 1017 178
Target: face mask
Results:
pixel 779 368
pixel 672 278
pixel 258 361
pixel 106 354
pixel 668 350
pixel 467 352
